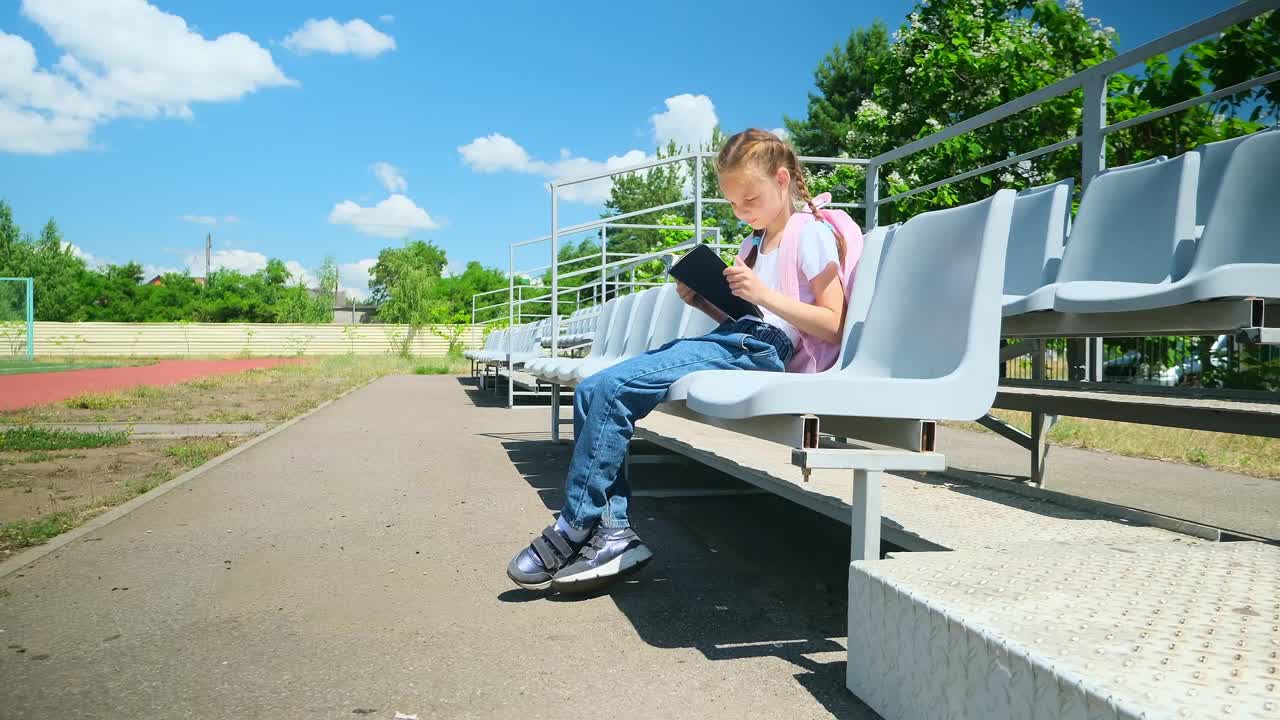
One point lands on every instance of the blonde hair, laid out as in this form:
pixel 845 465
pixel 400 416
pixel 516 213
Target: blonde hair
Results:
pixel 764 153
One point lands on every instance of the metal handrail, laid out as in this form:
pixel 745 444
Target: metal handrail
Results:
pixel 1092 81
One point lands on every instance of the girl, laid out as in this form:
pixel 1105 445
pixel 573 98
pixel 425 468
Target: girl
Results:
pixel 592 543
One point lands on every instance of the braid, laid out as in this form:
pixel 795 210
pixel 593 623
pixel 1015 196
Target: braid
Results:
pixel 802 190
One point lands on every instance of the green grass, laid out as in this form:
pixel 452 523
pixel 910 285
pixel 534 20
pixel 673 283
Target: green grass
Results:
pixel 188 454
pixel 1256 456
pixel 194 453
pixel 431 370
pixel 41 439
pixel 97 401
pixel 21 366
pixel 24 533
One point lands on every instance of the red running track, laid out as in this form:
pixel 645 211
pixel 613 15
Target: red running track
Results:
pixel 31 389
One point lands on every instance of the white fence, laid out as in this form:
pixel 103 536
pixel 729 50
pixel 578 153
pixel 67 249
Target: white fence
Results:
pixel 228 339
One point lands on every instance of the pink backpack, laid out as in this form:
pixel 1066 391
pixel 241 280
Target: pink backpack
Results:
pixel 814 355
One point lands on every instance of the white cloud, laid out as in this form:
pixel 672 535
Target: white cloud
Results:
pixel 24 131
pixel 231 219
pixel 781 133
pixel 353 278
pixel 391 177
pixel 245 261
pixel 388 19
pixel 497 152
pixel 394 217
pixel 594 192
pixel 355 37
pixel 149 271
pixel 122 58
pixel 199 219
pixel 687 121
pixel 494 153
pixel 90 260
pixel 454 267
pixel 300 274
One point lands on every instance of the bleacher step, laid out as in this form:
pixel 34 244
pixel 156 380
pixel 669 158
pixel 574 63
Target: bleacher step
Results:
pixel 1149 631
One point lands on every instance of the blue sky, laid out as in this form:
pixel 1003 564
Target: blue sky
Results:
pixel 290 130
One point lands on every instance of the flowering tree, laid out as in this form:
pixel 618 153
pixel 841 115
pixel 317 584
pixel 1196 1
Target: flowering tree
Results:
pixel 954 60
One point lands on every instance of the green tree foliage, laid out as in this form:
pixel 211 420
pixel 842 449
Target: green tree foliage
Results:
pixel 951 61
pixel 452 295
pixel 67 290
pixel 393 263
pixel 58 272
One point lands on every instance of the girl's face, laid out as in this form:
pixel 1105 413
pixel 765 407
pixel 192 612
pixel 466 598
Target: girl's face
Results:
pixel 757 200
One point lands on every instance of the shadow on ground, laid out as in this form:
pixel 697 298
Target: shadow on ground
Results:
pixel 733 576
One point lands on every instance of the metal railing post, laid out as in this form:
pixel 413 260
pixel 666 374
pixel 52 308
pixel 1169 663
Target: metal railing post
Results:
pixel 555 268
pixel 604 261
pixel 511 314
pixel 31 319
pixel 871 196
pixel 697 199
pixel 1093 158
pixel 1093 146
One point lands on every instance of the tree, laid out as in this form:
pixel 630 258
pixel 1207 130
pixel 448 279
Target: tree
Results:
pixel 844 78
pixel 951 61
pixel 10 236
pixel 393 263
pixel 58 272
pixel 276 273
pixel 453 294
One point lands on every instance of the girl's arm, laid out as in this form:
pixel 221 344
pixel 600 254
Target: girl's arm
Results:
pixel 695 300
pixel 823 319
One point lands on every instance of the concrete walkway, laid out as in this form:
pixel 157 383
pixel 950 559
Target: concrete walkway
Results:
pixel 351 566
pixel 1231 501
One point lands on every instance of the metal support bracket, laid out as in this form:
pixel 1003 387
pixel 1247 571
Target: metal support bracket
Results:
pixel 867 466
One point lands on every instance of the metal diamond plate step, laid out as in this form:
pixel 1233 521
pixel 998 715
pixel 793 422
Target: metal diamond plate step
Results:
pixel 1144 631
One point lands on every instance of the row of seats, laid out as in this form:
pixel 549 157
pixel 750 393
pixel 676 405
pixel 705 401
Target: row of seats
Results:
pixel 922 328
pixel 576 329
pixel 629 325
pixel 913 347
pixel 1162 233
pixel 524 344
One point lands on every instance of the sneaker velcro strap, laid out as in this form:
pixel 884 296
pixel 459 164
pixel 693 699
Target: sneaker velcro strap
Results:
pixel 558 542
pixel 550 560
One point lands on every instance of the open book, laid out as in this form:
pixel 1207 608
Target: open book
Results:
pixel 703 271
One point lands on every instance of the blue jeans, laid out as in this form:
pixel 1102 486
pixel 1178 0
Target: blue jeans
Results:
pixel 607 405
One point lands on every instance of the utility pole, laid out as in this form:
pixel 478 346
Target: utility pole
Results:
pixel 208 248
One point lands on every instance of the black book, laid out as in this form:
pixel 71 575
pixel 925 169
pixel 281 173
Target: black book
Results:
pixel 703 271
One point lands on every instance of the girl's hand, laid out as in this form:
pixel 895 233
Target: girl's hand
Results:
pixel 689 297
pixel 744 282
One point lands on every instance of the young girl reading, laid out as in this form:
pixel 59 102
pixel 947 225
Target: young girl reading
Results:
pixel 802 303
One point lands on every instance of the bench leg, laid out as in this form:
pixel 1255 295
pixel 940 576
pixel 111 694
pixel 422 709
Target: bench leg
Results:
pixel 865 523
pixel 1040 426
pixel 555 412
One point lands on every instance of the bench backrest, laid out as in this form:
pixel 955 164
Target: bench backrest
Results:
pixel 667 317
pixel 935 310
pixel 1135 224
pixel 1040 219
pixel 1244 224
